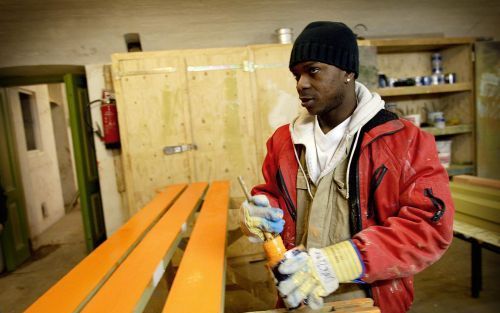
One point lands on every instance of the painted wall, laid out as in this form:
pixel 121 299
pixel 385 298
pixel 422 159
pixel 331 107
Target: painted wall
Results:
pixel 39 167
pixel 108 161
pixel 63 142
pixel 87 32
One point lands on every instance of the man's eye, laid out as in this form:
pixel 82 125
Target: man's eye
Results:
pixel 313 70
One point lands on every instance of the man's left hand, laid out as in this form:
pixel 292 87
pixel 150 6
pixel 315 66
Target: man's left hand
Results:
pixel 316 274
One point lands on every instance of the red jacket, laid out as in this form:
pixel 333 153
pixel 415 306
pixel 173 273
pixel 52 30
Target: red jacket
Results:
pixel 401 207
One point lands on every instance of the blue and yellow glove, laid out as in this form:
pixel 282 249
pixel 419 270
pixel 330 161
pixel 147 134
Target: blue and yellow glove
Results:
pixel 257 216
pixel 317 273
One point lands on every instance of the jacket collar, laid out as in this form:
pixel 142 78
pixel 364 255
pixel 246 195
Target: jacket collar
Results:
pixel 384 123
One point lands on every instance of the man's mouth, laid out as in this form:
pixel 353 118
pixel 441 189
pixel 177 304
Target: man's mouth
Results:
pixel 306 101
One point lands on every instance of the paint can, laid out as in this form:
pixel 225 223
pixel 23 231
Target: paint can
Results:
pixel 285 35
pixel 450 78
pixel 426 80
pixel 437 65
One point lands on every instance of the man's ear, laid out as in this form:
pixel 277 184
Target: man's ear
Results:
pixel 349 76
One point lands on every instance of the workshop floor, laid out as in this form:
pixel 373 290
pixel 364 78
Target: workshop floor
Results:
pixel 444 287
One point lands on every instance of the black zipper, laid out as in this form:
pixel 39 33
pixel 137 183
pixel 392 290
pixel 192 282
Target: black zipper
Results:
pixel 286 195
pixel 377 177
pixel 438 204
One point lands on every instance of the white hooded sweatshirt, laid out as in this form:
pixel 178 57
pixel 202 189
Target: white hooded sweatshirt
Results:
pixel 303 130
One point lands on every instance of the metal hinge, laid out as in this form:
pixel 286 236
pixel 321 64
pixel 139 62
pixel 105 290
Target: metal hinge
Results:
pixel 168 150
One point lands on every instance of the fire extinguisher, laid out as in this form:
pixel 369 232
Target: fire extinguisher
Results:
pixel 111 137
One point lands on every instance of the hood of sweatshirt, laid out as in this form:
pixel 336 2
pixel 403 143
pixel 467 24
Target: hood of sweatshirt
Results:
pixel 302 128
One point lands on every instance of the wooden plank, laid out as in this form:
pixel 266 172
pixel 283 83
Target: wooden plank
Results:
pixel 129 288
pixel 361 305
pixel 479 233
pixel 76 288
pixel 199 282
pixel 477 181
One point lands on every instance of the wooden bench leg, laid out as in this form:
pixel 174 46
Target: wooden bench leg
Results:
pixel 476 277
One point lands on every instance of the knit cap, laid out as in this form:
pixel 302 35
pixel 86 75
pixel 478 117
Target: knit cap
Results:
pixel 328 42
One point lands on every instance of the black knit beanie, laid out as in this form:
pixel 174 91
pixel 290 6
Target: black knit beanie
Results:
pixel 328 42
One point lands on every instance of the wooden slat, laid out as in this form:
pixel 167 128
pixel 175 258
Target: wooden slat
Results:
pixel 199 283
pixel 71 292
pixel 129 288
pixel 477 181
pixel 361 305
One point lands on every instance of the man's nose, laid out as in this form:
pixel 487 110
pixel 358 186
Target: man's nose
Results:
pixel 303 83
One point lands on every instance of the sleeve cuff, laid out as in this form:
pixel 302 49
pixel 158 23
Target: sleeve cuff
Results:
pixel 346 260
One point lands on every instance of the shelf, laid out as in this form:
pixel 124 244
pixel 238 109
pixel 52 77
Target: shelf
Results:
pixel 455 169
pixel 414 44
pixel 422 90
pixel 449 130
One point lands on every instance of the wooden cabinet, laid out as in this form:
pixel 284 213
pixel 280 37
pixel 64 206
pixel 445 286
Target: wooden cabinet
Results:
pixel 409 58
pixel 219 106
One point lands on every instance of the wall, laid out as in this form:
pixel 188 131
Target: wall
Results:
pixel 63 141
pixel 39 169
pixel 87 32
pixel 108 161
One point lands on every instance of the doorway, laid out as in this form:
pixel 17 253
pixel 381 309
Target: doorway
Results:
pixel 32 120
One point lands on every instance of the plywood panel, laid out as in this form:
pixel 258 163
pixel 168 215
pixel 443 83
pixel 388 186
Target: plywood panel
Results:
pixel 276 98
pixel 153 113
pixel 221 109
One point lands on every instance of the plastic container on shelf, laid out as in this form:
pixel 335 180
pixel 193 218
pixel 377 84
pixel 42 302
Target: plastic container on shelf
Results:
pixel 444 152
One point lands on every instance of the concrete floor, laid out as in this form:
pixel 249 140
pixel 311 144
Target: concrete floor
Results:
pixel 444 287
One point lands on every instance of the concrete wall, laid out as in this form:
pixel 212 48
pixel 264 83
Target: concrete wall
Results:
pixel 39 169
pixel 87 32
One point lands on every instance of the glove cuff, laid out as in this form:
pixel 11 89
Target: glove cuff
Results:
pixel 346 260
pixel 324 269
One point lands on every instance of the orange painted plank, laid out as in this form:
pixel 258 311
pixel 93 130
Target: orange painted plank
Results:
pixel 136 277
pixel 76 288
pixel 199 283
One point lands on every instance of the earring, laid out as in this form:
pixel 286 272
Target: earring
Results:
pixel 347 80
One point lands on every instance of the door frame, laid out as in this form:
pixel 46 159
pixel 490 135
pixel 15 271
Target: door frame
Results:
pixel 35 75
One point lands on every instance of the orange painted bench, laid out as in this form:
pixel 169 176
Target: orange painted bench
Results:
pixel 72 292
pixel 199 284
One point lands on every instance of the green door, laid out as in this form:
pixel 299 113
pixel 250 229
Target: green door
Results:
pixel 14 237
pixel 85 160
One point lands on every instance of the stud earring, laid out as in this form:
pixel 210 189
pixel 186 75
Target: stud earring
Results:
pixel 347 80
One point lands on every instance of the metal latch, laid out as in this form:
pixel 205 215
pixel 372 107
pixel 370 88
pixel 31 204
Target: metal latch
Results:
pixel 178 149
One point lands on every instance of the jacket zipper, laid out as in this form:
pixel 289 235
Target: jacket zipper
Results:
pixel 284 191
pixel 377 177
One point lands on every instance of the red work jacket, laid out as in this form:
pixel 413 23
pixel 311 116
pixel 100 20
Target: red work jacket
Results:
pixel 401 211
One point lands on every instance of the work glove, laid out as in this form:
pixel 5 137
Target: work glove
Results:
pixel 317 273
pixel 258 216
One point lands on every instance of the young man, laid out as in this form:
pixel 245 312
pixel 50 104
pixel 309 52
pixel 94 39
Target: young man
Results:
pixel 362 190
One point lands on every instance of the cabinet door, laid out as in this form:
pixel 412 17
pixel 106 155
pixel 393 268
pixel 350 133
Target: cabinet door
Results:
pixel 153 114
pixel 221 116
pixel 276 99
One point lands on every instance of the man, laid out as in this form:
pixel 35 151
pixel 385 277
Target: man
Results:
pixel 362 190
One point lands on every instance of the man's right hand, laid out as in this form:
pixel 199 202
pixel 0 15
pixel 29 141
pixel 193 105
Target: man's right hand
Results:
pixel 258 216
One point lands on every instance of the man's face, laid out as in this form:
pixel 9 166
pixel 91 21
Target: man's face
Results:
pixel 321 87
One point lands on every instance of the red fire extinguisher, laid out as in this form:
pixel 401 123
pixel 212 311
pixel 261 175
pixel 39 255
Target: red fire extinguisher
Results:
pixel 109 114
